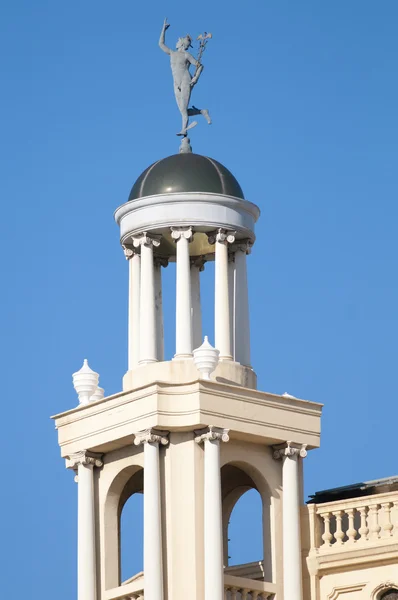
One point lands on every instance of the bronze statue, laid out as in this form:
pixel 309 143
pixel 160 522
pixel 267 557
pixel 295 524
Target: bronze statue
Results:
pixel 181 61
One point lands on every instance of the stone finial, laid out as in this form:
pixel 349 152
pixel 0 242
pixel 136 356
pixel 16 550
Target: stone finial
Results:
pixel 98 394
pixel 206 358
pixel 85 383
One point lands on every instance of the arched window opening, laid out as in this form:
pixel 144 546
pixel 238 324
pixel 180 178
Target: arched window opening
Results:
pixel 390 595
pixel 245 536
pixel 246 524
pixel 131 527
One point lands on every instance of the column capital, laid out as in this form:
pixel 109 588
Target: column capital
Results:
pixel 146 239
pixel 84 458
pixel 198 261
pixel 151 436
pixel 182 232
pixel 289 449
pixel 243 246
pixel 212 433
pixel 129 252
pixel 161 261
pixel 223 236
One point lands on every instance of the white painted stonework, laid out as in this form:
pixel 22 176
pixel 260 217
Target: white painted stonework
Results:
pixel 203 211
pixel 193 433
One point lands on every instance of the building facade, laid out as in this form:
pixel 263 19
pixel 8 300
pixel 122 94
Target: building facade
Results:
pixel 194 433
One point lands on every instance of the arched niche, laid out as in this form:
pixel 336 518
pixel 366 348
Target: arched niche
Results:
pixel 237 478
pixel 126 483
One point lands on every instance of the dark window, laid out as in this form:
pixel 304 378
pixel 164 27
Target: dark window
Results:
pixel 389 595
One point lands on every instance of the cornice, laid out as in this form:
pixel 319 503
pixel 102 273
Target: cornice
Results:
pixel 381 551
pixel 200 412
pixel 160 406
pixel 232 392
pixel 186 198
pixel 258 422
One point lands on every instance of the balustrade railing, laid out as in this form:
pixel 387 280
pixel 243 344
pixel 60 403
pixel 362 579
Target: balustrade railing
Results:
pixel 235 588
pixel 241 588
pixel 131 590
pixel 358 521
pixel 252 570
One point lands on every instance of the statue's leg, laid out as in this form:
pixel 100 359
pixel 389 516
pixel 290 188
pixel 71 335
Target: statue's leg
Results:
pixel 200 111
pixel 182 96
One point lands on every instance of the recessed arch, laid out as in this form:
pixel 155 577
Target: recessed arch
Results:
pixel 237 479
pixel 127 482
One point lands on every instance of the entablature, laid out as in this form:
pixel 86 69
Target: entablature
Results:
pixel 249 414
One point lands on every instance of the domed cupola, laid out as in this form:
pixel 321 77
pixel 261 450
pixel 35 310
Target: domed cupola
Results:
pixel 186 172
pixel 186 189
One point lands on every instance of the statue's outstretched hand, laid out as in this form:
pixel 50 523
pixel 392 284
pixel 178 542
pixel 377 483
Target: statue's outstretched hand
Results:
pixel 166 25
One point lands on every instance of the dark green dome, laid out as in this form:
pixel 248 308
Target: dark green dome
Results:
pixel 186 173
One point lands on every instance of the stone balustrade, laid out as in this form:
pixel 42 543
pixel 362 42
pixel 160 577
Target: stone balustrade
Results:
pixel 131 590
pixel 252 570
pixel 235 588
pixel 353 523
pixel 241 588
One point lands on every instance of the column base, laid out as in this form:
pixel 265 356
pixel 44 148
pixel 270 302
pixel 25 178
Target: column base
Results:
pixel 227 357
pixel 182 356
pixel 147 361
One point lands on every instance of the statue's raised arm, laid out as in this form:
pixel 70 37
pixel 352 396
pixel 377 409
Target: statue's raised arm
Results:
pixel 162 44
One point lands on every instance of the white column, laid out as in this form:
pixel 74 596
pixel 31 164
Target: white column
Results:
pixel 213 531
pixel 197 266
pixel 242 324
pixel 148 338
pixel 153 559
pixel 134 261
pixel 184 348
pixel 232 296
pixel 84 463
pixel 292 566
pixel 222 323
pixel 159 263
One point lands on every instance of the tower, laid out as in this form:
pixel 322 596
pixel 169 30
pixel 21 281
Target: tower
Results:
pixel 192 444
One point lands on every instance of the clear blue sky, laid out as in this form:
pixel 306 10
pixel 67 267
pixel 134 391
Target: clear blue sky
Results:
pixel 304 99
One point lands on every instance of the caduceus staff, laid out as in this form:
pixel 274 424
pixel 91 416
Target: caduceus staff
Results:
pixel 181 61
